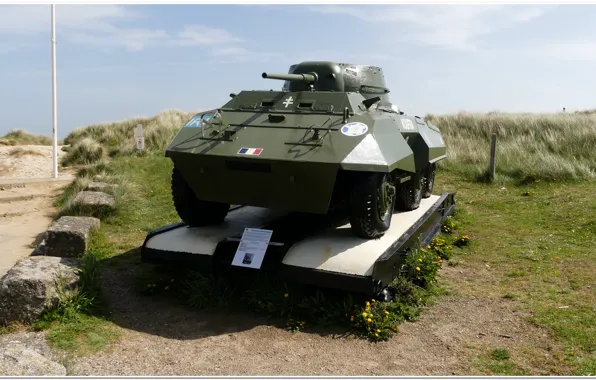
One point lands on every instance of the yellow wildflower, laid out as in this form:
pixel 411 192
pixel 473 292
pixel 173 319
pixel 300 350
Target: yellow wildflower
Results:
pixel 367 303
pixel 420 260
pixel 418 268
pixel 374 300
pixel 378 330
pixel 364 315
pixel 386 312
pixel 377 335
pixel 286 295
pixel 369 320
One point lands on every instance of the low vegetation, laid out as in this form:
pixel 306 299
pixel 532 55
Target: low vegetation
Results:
pixel 20 152
pixel 94 143
pixel 118 186
pixel 78 323
pixel 20 137
pixel 551 147
pixel 525 239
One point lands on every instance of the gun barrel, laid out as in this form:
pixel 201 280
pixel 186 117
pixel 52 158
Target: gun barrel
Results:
pixel 308 78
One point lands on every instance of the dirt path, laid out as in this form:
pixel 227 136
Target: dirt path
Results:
pixel 26 196
pixel 25 213
pixel 161 339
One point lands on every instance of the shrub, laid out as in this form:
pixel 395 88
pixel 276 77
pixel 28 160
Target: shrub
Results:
pixel 83 152
pixel 20 137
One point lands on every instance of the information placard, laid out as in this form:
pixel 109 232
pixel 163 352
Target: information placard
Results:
pixel 252 248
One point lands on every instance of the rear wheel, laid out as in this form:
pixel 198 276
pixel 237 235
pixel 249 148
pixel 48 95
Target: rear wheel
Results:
pixel 409 194
pixel 191 210
pixel 372 200
pixel 429 181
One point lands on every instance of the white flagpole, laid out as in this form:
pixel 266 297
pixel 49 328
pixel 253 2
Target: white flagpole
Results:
pixel 54 100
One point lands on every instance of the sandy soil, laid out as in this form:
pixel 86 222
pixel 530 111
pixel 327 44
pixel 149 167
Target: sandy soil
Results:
pixel 25 199
pixel 25 213
pixel 27 161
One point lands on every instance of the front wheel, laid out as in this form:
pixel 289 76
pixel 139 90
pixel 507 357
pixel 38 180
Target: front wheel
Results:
pixel 372 200
pixel 193 211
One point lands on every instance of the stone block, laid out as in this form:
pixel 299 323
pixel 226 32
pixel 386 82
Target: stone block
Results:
pixel 69 236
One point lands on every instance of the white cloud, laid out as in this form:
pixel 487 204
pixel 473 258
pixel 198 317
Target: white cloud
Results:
pixel 100 26
pixel 455 27
pixel 204 35
pixel 569 51
pixel 33 19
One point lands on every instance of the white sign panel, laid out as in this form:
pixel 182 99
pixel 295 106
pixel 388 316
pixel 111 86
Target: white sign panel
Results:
pixel 140 138
pixel 252 248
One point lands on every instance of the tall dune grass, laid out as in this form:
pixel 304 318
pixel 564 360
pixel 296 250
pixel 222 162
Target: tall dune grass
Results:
pixel 559 146
pixel 20 137
pixel 96 142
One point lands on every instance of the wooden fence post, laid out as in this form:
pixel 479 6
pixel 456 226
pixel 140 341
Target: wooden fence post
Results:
pixel 493 150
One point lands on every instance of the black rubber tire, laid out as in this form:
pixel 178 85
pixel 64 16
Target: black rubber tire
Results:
pixel 191 210
pixel 365 220
pixel 409 194
pixel 429 181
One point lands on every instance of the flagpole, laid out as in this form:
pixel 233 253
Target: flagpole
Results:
pixel 54 100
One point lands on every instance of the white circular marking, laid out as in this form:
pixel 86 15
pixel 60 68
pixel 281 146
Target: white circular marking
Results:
pixel 354 129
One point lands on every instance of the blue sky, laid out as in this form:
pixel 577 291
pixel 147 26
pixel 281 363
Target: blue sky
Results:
pixel 121 61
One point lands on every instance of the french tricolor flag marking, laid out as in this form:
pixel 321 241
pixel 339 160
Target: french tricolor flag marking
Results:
pixel 250 151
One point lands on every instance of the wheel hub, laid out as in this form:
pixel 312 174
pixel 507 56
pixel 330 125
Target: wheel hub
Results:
pixel 386 196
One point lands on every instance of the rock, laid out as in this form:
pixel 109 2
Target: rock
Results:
pixel 18 360
pixel 30 286
pixel 69 236
pixel 99 186
pixel 95 199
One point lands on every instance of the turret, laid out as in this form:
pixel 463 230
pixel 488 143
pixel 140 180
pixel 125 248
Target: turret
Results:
pixel 338 77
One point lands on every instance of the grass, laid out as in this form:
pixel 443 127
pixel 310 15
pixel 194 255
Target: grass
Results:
pixel 532 229
pixel 551 147
pixel 94 143
pixel 20 137
pixel 19 152
pixel 538 249
pixel 77 323
pixel 537 246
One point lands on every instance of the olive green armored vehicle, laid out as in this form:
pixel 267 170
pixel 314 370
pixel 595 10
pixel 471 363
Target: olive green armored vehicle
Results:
pixel 329 140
